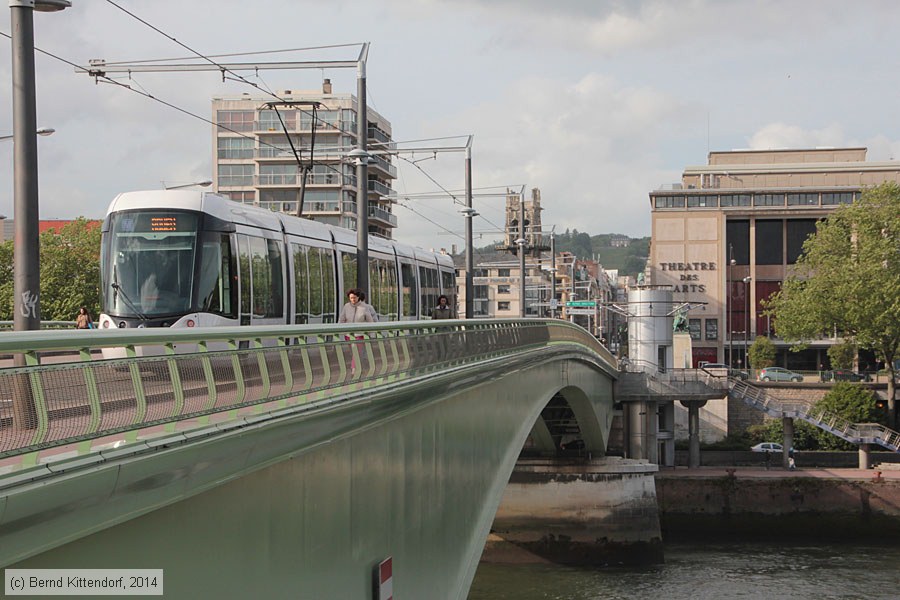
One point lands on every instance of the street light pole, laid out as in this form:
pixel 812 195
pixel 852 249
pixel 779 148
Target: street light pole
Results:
pixel 729 306
pixel 523 243
pixel 362 176
pixel 470 260
pixel 747 281
pixel 552 275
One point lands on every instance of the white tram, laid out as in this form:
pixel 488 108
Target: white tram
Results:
pixel 180 258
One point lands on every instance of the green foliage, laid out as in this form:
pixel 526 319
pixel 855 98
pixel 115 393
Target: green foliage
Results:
pixel 842 355
pixel 852 402
pixel 762 353
pixel 70 272
pixel 848 279
pixel 806 436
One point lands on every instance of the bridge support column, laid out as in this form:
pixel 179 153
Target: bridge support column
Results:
pixel 667 433
pixel 642 430
pixel 864 456
pixel 693 431
pixel 788 423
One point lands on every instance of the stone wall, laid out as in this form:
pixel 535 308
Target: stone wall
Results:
pixel 799 508
pixel 598 512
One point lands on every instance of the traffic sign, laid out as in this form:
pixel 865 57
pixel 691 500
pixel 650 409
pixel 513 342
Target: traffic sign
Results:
pixel 580 311
pixel 582 303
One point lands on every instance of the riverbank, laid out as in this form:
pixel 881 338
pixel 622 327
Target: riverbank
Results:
pixel 754 503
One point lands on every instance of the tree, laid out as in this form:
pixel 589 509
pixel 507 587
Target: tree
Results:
pixel 842 355
pixel 762 353
pixel 70 272
pixel 848 279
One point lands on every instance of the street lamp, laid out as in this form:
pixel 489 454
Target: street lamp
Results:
pixel 45 131
pixel 729 307
pixel 204 183
pixel 26 262
pixel 747 281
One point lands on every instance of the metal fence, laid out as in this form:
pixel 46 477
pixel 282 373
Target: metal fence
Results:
pixel 178 380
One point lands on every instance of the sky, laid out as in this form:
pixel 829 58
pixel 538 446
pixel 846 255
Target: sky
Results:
pixel 596 103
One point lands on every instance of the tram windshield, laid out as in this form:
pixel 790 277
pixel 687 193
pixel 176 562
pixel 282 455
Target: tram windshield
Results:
pixel 149 266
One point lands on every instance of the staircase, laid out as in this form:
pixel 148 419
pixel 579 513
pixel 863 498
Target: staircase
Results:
pixel 855 433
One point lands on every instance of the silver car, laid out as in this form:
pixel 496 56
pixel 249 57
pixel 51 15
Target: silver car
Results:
pixel 779 374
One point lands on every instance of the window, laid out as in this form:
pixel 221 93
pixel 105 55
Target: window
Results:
pixel 269 121
pixel 503 289
pixel 734 200
pixel 278 175
pixel 694 328
pixel 768 200
pixel 503 272
pixel 430 287
pixel 217 292
pixel 382 288
pixel 702 201
pixel 798 230
pixel 803 199
pixel 712 329
pixel 769 242
pixel 243 197
pixel 737 234
pixel 838 198
pixel 267 292
pixel 409 293
pixel 235 120
pixel 501 306
pixel 315 285
pixel 669 202
pixel 269 197
pixel 235 147
pixel 235 175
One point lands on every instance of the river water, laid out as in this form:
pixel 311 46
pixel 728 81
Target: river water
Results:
pixel 710 571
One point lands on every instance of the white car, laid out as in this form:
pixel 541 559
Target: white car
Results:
pixel 768 447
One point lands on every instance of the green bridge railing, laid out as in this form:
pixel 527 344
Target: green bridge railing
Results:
pixel 177 380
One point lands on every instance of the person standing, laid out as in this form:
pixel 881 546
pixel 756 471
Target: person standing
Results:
pixel 356 310
pixel 83 319
pixel 442 310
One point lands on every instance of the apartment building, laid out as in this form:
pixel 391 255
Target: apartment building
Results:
pixel 729 233
pixel 255 141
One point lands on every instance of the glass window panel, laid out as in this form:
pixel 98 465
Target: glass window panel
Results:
pixel 694 328
pixel 837 198
pixel 769 242
pixel 702 201
pixel 768 200
pixel 737 235
pixel 803 199
pixel 712 329
pixel 798 230
pixel 734 200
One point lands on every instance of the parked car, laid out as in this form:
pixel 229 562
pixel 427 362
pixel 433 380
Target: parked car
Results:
pixel 845 375
pixel 721 369
pixel 779 374
pixel 767 447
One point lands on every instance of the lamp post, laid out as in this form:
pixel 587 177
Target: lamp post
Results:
pixel 747 281
pixel 469 213
pixel 26 262
pixel 552 275
pixel 729 306
pixel 522 243
pixel 45 131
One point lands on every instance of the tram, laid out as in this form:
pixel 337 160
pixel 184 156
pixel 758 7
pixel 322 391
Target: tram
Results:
pixel 181 258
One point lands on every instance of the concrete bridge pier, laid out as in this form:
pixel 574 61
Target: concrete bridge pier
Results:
pixel 788 439
pixel 865 459
pixel 693 407
pixel 666 434
pixel 642 430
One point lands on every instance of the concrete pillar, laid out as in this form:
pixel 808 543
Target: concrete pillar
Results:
pixel 788 423
pixel 864 457
pixel 693 434
pixel 667 425
pixel 635 427
pixel 652 424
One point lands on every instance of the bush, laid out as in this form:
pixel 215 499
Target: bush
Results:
pixel 762 353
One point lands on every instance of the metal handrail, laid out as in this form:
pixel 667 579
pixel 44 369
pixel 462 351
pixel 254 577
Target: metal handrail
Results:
pixel 856 433
pixel 198 377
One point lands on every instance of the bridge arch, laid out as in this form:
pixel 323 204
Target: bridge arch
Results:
pixel 413 469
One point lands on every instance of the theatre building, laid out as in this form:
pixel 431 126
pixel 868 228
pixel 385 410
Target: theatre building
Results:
pixel 727 236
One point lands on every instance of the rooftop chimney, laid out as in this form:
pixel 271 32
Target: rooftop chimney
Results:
pixel 326 86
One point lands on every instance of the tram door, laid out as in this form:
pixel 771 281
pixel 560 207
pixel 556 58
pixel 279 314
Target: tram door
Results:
pixel 261 268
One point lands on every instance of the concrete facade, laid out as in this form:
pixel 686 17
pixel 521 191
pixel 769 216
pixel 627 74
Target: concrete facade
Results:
pixel 255 163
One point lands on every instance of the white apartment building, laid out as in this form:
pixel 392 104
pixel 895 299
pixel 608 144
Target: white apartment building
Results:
pixel 256 164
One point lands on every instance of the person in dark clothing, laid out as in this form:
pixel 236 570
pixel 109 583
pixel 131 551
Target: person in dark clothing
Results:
pixel 442 310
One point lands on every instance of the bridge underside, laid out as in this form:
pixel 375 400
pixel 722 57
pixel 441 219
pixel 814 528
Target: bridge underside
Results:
pixel 306 505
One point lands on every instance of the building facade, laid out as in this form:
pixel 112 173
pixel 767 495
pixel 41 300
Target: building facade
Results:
pixel 729 233
pixel 256 163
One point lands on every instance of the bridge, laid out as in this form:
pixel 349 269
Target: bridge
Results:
pixel 285 462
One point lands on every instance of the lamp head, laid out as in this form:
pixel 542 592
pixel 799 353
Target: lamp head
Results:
pixel 45 131
pixel 51 5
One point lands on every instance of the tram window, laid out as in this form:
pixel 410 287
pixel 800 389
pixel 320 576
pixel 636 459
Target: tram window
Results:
pixel 301 283
pixel 348 267
pixel 383 288
pixel 448 285
pixel 410 295
pixel 328 284
pixel 428 279
pixel 244 258
pixel 276 269
pixel 216 291
pixel 267 290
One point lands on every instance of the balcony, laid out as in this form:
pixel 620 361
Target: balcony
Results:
pixel 379 162
pixel 379 136
pixel 375 212
pixel 284 152
pixel 381 189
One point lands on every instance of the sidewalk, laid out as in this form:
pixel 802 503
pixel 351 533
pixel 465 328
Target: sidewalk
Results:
pixel 778 472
